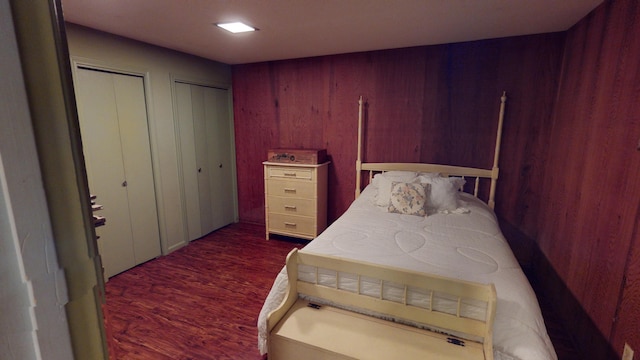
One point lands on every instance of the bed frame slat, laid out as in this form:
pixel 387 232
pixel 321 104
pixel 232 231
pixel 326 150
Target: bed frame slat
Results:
pixel 453 323
pixel 432 284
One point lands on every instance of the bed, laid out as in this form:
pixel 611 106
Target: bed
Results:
pixel 418 220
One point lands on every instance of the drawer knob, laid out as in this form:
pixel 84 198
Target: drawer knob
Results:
pixel 289 174
pixel 290 224
pixel 290 190
pixel 290 207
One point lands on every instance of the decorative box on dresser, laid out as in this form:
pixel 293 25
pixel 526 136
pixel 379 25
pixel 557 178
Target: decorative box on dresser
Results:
pixel 295 198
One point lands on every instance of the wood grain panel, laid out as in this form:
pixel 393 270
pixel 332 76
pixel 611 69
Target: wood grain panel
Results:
pixel 628 315
pixel 432 104
pixel 591 190
pixel 254 129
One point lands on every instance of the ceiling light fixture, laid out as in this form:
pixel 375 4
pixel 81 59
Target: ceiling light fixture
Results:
pixel 236 27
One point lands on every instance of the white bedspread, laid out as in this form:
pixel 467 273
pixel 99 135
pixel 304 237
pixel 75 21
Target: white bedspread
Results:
pixel 467 246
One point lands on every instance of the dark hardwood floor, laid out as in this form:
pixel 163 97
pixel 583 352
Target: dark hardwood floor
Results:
pixel 202 301
pixel 562 342
pixel 199 302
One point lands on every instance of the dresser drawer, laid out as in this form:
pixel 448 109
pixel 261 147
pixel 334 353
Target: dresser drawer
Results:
pixel 292 206
pixel 281 172
pixel 291 188
pixel 292 224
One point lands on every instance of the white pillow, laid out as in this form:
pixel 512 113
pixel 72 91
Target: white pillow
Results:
pixel 408 198
pixel 443 195
pixel 424 177
pixel 385 180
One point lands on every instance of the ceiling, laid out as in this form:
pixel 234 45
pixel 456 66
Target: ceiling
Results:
pixel 303 28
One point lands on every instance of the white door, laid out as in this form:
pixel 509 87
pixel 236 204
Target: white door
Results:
pixel 205 145
pixel 215 155
pixel 115 137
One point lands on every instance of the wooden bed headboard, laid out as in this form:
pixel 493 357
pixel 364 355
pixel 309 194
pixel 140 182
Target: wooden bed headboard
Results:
pixel 445 170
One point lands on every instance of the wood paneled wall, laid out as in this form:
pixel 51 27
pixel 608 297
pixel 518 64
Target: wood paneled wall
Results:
pixel 569 164
pixel 591 191
pixel 431 104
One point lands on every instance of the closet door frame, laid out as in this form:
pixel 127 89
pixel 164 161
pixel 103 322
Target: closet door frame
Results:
pixel 92 64
pixel 177 78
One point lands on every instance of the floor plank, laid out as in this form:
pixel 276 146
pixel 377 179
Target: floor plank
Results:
pixel 202 301
pixel 562 341
pixel 199 302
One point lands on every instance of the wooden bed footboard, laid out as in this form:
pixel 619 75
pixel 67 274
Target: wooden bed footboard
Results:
pixel 337 308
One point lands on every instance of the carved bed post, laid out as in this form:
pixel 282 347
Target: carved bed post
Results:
pixel 359 158
pixel 496 156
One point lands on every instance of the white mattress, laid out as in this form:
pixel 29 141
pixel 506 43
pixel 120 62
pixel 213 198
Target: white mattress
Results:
pixel 467 246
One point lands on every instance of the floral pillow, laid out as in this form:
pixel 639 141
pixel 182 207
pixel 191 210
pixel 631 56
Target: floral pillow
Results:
pixel 408 198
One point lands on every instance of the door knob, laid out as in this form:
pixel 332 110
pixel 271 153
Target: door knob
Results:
pixel 199 169
pixel 220 166
pixel 124 183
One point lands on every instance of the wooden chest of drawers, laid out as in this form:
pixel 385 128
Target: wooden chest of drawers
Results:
pixel 295 199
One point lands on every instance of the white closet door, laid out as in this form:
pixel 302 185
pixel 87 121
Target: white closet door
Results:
pixel 134 134
pixel 218 130
pixel 205 145
pixel 113 124
pixel 203 161
pixel 188 160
